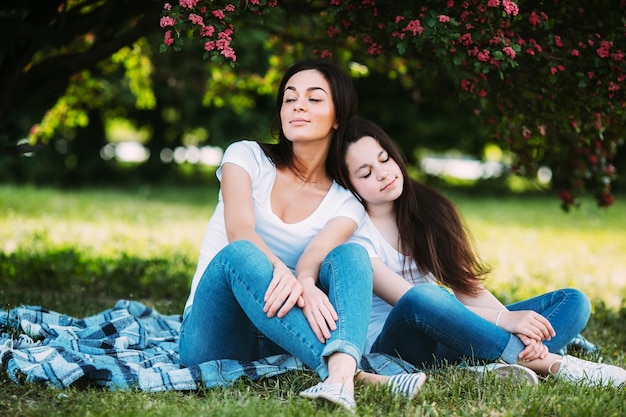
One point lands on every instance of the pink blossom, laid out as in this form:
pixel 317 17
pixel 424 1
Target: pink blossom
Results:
pixel 602 52
pixel 218 13
pixel 510 7
pixel 466 39
pixel 415 27
pixel 229 53
pixel 534 19
pixel 195 19
pixel 557 41
pixel 209 46
pixel 493 3
pixel 482 93
pixel 613 86
pixel 230 8
pixel 326 54
pixel 530 51
pixel 450 4
pixel 575 52
pixel 168 39
pixel 483 55
pixel 553 70
pixel 526 133
pixel 591 74
pixel 467 85
pixel 167 21
pixel 375 49
pixel 254 2
pixel 399 19
pixel 510 52
pixel 335 2
pixel 188 3
pixel 207 31
pixel 618 56
pixel 443 18
pixel 167 6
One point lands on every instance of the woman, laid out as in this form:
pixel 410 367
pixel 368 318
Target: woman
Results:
pixel 274 259
pixel 416 236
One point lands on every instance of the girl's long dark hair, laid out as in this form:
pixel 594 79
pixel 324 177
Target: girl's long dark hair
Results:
pixel 344 99
pixel 432 232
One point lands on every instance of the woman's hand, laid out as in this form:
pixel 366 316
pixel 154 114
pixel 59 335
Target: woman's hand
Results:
pixel 318 310
pixel 283 292
pixel 527 323
pixel 534 349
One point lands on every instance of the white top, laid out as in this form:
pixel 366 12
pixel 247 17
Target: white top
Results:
pixel 377 247
pixel 286 240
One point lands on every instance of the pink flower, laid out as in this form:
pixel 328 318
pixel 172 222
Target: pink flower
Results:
pixel 326 54
pixel 466 39
pixel 335 2
pixel 510 8
pixel 195 19
pixel 443 18
pixel 188 3
pixel 534 19
pixel 207 31
pixel 450 4
pixel 229 53
pixel 399 19
pixel 209 46
pixel 167 6
pixel 415 27
pixel 557 41
pixel 230 8
pixel 483 55
pixel 575 52
pixel 493 3
pixel 618 56
pixel 168 39
pixel 218 13
pixel 510 52
pixel 553 70
pixel 167 21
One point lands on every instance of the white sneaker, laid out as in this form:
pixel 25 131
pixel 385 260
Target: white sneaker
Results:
pixel 516 373
pixel 589 373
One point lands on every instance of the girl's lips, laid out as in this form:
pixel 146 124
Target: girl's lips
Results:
pixel 389 184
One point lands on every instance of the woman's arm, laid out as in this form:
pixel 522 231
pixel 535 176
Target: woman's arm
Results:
pixel 317 308
pixel 284 290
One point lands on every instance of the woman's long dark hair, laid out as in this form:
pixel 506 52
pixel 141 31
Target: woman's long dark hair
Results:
pixel 431 230
pixel 344 99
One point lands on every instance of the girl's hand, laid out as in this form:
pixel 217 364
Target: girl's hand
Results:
pixel 534 349
pixel 318 310
pixel 528 323
pixel 283 292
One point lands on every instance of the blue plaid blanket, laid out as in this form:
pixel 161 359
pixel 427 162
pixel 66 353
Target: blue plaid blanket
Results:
pixel 128 346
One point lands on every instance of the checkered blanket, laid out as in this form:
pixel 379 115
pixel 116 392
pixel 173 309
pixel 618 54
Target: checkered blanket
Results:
pixel 128 346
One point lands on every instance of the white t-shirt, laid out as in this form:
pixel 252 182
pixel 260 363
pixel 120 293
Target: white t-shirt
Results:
pixel 369 237
pixel 286 240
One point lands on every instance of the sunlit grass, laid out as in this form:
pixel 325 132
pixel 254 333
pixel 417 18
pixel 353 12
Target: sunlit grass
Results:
pixel 532 245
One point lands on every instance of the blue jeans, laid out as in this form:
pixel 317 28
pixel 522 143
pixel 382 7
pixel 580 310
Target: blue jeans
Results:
pixel 429 325
pixel 227 310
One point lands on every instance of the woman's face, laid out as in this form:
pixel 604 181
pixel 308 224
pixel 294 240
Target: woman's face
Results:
pixel 375 176
pixel 308 112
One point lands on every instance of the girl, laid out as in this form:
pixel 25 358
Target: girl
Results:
pixel 417 237
pixel 274 259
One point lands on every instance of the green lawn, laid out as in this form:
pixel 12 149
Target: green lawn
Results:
pixel 79 251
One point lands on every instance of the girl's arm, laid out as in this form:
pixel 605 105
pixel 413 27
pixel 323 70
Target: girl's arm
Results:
pixel 525 322
pixel 387 284
pixel 317 307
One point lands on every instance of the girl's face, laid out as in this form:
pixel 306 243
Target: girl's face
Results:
pixel 374 175
pixel 308 112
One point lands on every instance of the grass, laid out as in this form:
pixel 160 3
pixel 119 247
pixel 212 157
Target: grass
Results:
pixel 79 251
